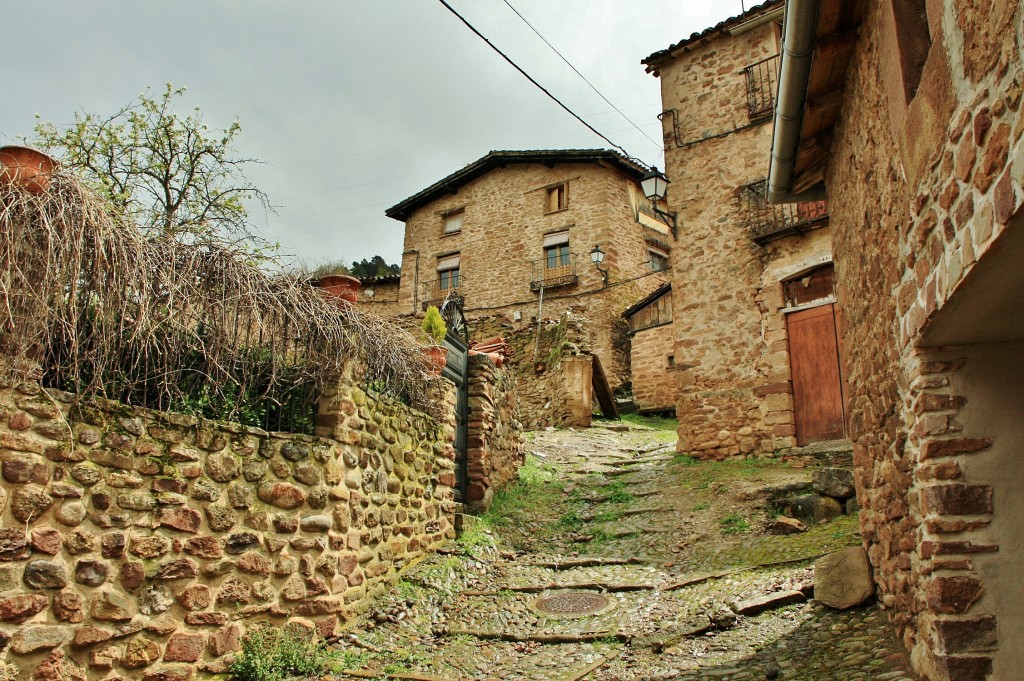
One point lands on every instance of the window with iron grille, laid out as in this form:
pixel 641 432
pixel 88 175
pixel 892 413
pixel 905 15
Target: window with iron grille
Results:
pixel 762 80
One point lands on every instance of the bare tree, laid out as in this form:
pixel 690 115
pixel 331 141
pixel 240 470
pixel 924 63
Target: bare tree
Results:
pixel 169 174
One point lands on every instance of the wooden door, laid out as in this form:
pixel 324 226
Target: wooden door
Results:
pixel 814 358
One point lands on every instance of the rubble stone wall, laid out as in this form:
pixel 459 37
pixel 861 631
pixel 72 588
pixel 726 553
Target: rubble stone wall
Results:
pixel 546 395
pixel 731 353
pixel 383 300
pixel 921 194
pixel 654 379
pixel 495 447
pixel 137 544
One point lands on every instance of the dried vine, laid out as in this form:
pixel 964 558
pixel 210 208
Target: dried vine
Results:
pixel 90 303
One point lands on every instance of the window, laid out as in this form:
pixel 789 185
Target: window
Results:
pixel 558 198
pixel 453 221
pixel 657 258
pixel 810 287
pixel 556 250
pixel 448 273
pixel 670 362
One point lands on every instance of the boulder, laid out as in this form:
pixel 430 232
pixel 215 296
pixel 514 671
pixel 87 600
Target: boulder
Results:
pixel 834 482
pixel 813 509
pixel 842 580
pixel 783 525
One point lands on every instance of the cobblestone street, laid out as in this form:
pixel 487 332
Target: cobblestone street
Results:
pixel 615 559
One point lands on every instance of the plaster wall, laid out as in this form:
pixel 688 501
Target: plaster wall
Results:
pixel 992 382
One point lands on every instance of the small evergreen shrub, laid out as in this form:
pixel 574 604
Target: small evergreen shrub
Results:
pixel 275 654
pixel 433 325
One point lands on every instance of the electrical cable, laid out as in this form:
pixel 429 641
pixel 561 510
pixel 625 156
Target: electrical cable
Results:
pixel 531 79
pixel 567 295
pixel 569 64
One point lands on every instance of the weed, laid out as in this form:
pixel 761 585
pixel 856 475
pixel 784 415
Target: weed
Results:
pixel 734 524
pixel 617 493
pixel 571 520
pixel 608 516
pixel 274 654
pixel 702 506
pixel 537 487
pixel 652 421
pixel 684 460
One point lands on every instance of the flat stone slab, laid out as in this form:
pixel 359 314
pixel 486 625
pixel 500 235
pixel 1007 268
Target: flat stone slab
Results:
pixel 772 601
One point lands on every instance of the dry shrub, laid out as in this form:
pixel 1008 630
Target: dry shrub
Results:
pixel 90 304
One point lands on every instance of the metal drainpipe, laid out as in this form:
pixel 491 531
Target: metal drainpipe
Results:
pixel 798 41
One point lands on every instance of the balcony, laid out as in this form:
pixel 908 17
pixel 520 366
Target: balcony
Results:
pixel 762 81
pixel 768 222
pixel 551 277
pixel 437 291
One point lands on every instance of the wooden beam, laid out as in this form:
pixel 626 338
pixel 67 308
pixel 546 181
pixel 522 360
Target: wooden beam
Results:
pixel 826 101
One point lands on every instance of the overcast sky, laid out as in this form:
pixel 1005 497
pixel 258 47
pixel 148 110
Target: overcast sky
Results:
pixel 354 105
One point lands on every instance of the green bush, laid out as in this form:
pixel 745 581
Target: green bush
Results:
pixel 275 654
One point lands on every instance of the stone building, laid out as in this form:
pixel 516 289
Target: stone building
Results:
pixel 512 233
pixel 756 350
pixel 379 294
pixel 909 115
pixel 652 352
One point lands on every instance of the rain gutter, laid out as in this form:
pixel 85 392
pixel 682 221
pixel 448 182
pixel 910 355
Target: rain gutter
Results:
pixel 799 31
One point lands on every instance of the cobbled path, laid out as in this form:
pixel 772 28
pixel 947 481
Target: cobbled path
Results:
pixel 671 546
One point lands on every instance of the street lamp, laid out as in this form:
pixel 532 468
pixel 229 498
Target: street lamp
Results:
pixel 655 185
pixel 597 257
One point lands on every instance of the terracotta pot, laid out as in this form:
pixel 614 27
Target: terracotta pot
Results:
pixel 27 167
pixel 341 286
pixel 437 358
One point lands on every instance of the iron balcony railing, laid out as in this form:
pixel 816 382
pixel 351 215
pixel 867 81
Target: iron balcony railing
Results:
pixel 563 273
pixel 767 221
pixel 762 80
pixel 435 292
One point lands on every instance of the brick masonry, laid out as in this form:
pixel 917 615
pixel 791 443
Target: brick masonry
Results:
pixel 137 544
pixel 921 194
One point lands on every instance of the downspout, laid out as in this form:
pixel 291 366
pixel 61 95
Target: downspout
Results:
pixel 797 47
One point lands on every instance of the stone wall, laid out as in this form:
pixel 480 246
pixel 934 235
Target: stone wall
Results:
pixel 379 295
pixel 731 354
pixel 503 227
pixel 654 378
pixel 138 544
pixel 495 447
pixel 924 194
pixel 553 379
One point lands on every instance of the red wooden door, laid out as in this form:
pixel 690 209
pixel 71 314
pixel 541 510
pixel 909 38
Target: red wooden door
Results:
pixel 817 375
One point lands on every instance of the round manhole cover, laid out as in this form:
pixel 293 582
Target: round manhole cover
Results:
pixel 572 603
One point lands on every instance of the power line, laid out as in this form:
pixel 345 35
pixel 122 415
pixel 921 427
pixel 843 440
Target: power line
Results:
pixel 530 78
pixel 569 64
